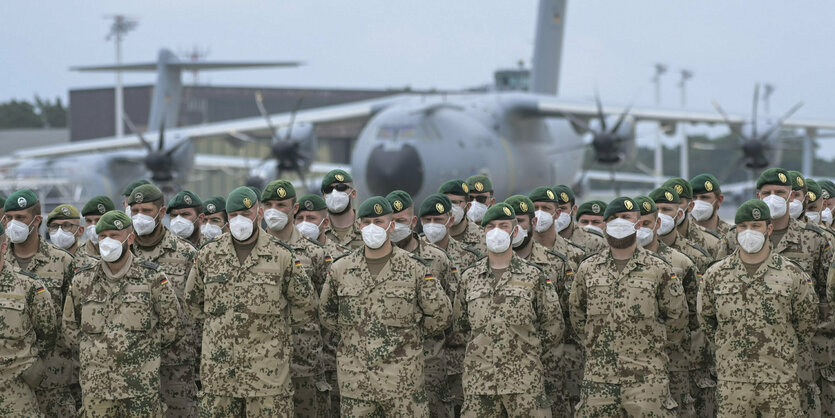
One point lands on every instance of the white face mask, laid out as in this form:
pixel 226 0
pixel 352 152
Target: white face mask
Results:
pixel 401 232
pixel 544 220
pixel 593 228
pixel 181 227
pixel 476 211
pixel 563 221
pixel 276 220
pixel 309 229
pixel 680 215
pixel 826 216
pixel 795 208
pixel 521 234
pixel 143 224
pixel 110 249
pixel 498 240
pixel 813 217
pixel 127 210
pixel 667 224
pixel 374 236
pixel 435 232
pixel 619 228
pixel 337 201
pixel 645 236
pixel 210 230
pixel 241 227
pixel 17 231
pixel 457 214
pixel 90 232
pixel 702 210
pixel 776 205
pixel 750 241
pixel 62 239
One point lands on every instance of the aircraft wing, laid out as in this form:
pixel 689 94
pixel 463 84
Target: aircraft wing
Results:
pixel 619 176
pixel 223 162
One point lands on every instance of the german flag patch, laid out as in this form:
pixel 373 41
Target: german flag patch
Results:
pixel 163 281
pixel 570 272
pixel 673 276
pixel 298 263
pixel 809 280
pixel 42 289
pixel 699 276
pixel 429 276
pixel 328 259
pixel 827 247
pixel 547 280
pixel 453 270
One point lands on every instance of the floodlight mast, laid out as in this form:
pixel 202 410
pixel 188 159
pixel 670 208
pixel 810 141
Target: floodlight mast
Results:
pixel 121 26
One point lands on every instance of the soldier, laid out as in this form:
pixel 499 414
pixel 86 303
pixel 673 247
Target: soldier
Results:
pixel 310 392
pixel 64 226
pixel 462 229
pixel 339 194
pixel 480 197
pixel 382 301
pixel 185 211
pixel 828 195
pixel 758 308
pixel 119 315
pixel 28 332
pixel 682 357
pixel 508 314
pixel 442 267
pixel 215 221
pixel 797 201
pixel 591 240
pixel 545 232
pixel 248 289
pixel 175 256
pixel 707 198
pixel 626 306
pixel 700 236
pixel 53 267
pixel 128 189
pixel 590 216
pixel 563 363
pixel 92 212
pixel 669 212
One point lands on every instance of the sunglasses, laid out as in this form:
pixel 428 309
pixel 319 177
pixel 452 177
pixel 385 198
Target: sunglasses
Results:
pixel 480 199
pixel 338 186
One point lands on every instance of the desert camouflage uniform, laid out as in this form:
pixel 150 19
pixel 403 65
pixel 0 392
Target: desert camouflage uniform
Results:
pixel 352 240
pixel 758 326
pixel 178 372
pixel 508 323
pixel 28 331
pixel 627 320
pixel 120 324
pixel 592 241
pixel 330 339
pixel 472 236
pixel 700 256
pixel 573 251
pixel 382 321
pixel 80 261
pixel 248 310
pixel 722 227
pixel 53 267
pixel 705 238
pixel 88 249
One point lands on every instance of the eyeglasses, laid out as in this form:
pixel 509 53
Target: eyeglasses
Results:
pixel 71 228
pixel 338 186
pixel 480 199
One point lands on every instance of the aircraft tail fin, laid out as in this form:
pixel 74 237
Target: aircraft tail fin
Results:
pixel 550 21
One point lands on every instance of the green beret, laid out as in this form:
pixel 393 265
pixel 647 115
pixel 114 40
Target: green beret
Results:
pixel 374 207
pixel 775 176
pixel 479 183
pixel 592 207
pixel 665 195
pixel 98 206
pixel 312 202
pixel 132 185
pixel 2 202
pixel 543 194
pixel 646 205
pixel 278 190
pixel 144 194
pixel 399 200
pixel 705 183
pixel 813 190
pixel 241 198
pixel 752 210
pixel 797 179
pixel 184 199
pixel 19 200
pixel 498 212
pixel 214 205
pixel 521 204
pixel 114 220
pixel 335 176
pixel 827 189
pixel 620 204
pixel 681 186
pixel 257 192
pixel 435 204
pixel 564 194
pixel 63 212
pixel 457 187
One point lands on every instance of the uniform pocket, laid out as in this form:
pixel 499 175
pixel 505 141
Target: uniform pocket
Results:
pixel 266 295
pixel 93 315
pixel 478 307
pixel 135 314
pixel 215 287
pixel 399 307
pixel 15 323
pixel 516 305
pixel 640 298
pixel 729 305
pixel 350 305
pixel 597 297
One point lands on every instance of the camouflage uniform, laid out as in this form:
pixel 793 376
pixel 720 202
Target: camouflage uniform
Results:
pixel 722 227
pixel 120 322
pixel 573 251
pixel 88 249
pixel 700 256
pixel 472 236
pixel 382 321
pixel 758 325
pixel 703 237
pixel 627 321
pixel 592 241
pixel 178 372
pixel 508 324
pixel 248 310
pixel 80 261
pixel 53 267
pixel 28 332
pixel 352 240
pixel 330 339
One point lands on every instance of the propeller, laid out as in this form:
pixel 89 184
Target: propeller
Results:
pixel 159 161
pixel 611 146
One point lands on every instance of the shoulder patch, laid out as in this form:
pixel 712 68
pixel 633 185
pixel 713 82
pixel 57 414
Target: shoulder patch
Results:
pixel 418 258
pixel 815 228
pixel 557 254
pixel 700 249
pixel 149 265
pixel 661 258
pixel 318 244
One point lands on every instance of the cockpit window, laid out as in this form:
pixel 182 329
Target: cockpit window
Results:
pixel 397 132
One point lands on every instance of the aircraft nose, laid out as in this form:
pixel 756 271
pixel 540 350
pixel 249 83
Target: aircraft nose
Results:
pixel 389 170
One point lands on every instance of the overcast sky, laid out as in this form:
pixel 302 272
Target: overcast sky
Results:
pixel 442 44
